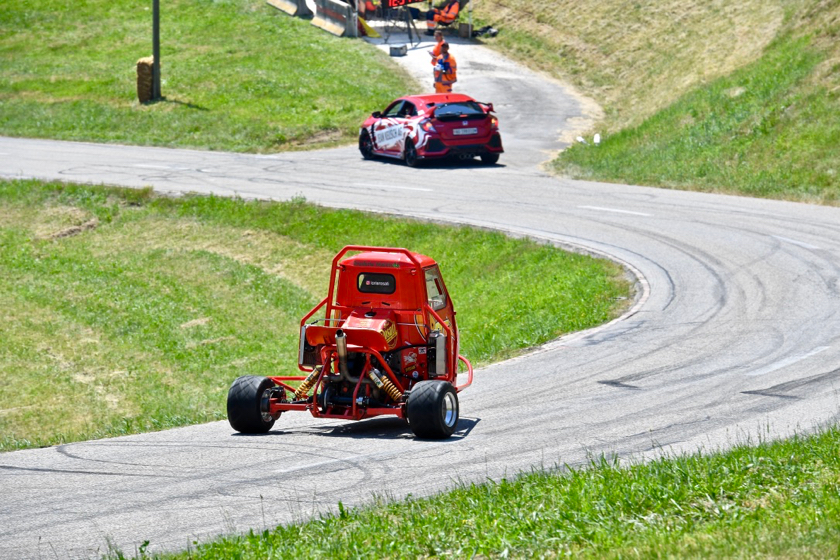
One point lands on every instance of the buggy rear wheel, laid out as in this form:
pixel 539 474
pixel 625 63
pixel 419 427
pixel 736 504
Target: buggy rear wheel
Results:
pixel 432 409
pixel 244 405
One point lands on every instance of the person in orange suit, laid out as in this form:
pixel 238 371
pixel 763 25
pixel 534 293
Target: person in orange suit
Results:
pixel 445 70
pixel 447 14
pixel 435 52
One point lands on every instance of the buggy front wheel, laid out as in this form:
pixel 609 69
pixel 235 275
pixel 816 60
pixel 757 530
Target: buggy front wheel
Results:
pixel 245 403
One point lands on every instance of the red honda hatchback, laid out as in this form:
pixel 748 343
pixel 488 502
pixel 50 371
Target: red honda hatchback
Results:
pixel 418 127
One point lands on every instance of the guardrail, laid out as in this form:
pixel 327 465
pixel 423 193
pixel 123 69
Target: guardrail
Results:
pixel 335 17
pixel 297 8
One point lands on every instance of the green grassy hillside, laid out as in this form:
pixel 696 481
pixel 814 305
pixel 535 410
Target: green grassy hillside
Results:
pixel 740 97
pixel 238 75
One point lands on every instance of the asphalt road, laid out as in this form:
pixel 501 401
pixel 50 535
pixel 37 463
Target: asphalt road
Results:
pixel 734 337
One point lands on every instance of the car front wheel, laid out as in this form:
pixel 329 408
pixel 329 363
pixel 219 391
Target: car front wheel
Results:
pixel 365 145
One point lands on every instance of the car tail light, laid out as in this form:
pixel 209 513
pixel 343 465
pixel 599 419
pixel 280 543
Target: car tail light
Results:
pixel 427 125
pixel 494 123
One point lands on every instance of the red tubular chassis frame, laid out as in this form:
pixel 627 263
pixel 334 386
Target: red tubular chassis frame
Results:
pixel 367 343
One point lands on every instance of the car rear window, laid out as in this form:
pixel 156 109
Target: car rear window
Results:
pixel 460 110
pixel 376 283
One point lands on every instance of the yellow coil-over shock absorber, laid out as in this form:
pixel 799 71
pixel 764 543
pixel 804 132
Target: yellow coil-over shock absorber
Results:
pixel 307 384
pixel 383 382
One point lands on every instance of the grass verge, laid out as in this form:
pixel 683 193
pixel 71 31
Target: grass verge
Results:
pixel 238 75
pixel 124 312
pixel 779 499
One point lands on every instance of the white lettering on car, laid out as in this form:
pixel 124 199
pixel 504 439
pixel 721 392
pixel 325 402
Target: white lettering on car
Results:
pixel 388 133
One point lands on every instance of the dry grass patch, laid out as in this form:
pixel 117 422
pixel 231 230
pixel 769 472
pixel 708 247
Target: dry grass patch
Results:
pixel 275 254
pixel 59 370
pixel 44 223
pixel 137 324
pixel 635 57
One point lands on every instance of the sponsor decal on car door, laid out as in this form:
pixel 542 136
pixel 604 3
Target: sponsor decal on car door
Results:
pixel 388 134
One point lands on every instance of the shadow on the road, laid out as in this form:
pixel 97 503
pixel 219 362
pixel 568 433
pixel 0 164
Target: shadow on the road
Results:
pixel 377 428
pixel 374 428
pixel 446 163
pixel 388 428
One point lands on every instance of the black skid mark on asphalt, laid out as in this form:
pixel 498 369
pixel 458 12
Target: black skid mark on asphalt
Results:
pixel 63 450
pixel 782 389
pixel 699 360
pixel 181 176
pixel 88 170
pixel 612 248
pixel 79 471
pixel 349 471
pixel 619 384
pixel 285 167
pixel 768 393
pixel 294 179
pixel 621 330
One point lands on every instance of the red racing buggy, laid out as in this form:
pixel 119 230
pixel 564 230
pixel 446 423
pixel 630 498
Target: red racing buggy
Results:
pixel 383 342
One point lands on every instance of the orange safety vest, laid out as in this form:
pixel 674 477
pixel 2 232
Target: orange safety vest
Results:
pixel 449 12
pixel 446 73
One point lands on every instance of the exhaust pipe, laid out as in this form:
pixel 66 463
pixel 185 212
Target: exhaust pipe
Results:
pixel 341 347
pixel 343 372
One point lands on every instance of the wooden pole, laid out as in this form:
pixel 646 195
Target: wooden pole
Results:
pixel 156 50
